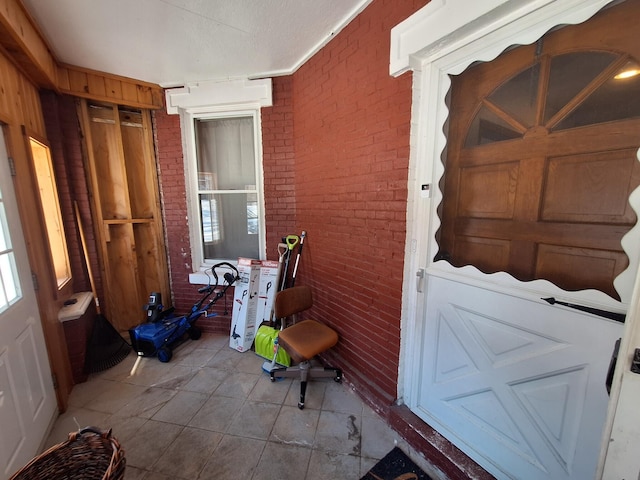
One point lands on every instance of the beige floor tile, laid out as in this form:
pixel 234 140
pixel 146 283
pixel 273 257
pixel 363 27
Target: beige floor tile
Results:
pixel 124 428
pixel 87 392
pixel 267 391
pixel 216 414
pixel 254 420
pixel 206 380
pixel 326 465
pixel 147 371
pixel 233 458
pixel 367 464
pixel 378 438
pixel 156 476
pixel 226 358
pixel 238 385
pixel 283 462
pixel 117 396
pixel 212 341
pixel 176 377
pixel 133 473
pixel 339 398
pixel 314 395
pixel 188 453
pixel 181 408
pixel 338 432
pixel 147 404
pixel 295 427
pixel 148 444
pixel 198 357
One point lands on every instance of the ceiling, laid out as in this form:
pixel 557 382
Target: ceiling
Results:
pixel 177 42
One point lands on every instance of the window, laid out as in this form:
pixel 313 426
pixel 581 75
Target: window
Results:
pixel 227 193
pixel 9 285
pixel 43 168
pixel 225 208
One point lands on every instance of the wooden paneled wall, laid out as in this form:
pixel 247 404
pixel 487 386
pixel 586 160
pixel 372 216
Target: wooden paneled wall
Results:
pixel 22 41
pixel 20 109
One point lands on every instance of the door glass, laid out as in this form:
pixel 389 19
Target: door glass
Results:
pixel 9 285
pixel 569 74
pixel 617 98
pixel 519 95
pixel 487 127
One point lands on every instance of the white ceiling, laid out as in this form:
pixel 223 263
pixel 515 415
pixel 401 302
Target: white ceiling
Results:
pixel 175 42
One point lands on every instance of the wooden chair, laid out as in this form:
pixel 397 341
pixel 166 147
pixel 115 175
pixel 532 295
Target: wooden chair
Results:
pixel 302 340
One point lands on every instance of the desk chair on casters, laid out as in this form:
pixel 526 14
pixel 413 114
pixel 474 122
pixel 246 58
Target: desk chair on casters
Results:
pixel 302 340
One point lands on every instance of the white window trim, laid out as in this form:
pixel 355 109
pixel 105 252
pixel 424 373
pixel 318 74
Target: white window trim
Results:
pixel 217 99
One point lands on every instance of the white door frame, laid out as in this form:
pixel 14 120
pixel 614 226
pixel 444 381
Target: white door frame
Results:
pixel 444 38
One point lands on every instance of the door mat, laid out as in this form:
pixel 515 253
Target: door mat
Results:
pixel 396 465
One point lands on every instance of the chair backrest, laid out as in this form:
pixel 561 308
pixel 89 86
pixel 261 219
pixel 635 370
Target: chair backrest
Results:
pixel 292 300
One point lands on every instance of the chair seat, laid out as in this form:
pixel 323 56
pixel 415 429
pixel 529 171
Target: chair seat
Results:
pixel 306 339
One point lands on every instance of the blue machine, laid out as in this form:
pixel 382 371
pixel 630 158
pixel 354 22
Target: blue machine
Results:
pixel 163 330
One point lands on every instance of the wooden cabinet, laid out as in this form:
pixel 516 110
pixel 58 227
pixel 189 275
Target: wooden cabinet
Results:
pixel 126 208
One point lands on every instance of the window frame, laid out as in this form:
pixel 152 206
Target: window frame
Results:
pixel 64 284
pixel 188 121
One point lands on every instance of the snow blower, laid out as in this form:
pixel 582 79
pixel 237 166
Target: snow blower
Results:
pixel 163 330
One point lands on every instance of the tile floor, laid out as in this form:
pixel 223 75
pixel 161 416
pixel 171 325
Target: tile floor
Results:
pixel 212 413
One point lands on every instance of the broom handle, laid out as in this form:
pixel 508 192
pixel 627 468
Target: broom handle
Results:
pixel 85 252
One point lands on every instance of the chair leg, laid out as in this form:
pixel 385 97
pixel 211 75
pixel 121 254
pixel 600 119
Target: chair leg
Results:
pixel 303 391
pixel 305 372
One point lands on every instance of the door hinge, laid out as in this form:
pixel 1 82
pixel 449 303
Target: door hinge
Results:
pixel 34 279
pixel 12 166
pixel 54 380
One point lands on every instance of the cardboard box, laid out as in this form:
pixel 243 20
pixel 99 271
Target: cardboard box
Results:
pixel 245 305
pixel 267 290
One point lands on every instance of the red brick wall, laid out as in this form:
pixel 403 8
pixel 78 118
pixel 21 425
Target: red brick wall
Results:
pixel 278 164
pixel 65 141
pixel 351 131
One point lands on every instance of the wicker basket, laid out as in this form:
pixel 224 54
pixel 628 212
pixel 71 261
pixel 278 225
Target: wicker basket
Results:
pixel 89 454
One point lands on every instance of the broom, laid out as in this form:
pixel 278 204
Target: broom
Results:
pixel 106 347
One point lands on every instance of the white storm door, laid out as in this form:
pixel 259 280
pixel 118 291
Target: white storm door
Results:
pixel 516 384
pixel 27 397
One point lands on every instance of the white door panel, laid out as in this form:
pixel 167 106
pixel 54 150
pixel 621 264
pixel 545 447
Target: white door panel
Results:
pixel 516 380
pixel 27 397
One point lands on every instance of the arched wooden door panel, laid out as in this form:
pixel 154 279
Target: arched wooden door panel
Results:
pixel 542 157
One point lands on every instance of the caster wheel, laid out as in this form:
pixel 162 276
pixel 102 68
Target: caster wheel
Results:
pixel 338 377
pixel 194 333
pixel 301 406
pixel 164 354
pixel 272 378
